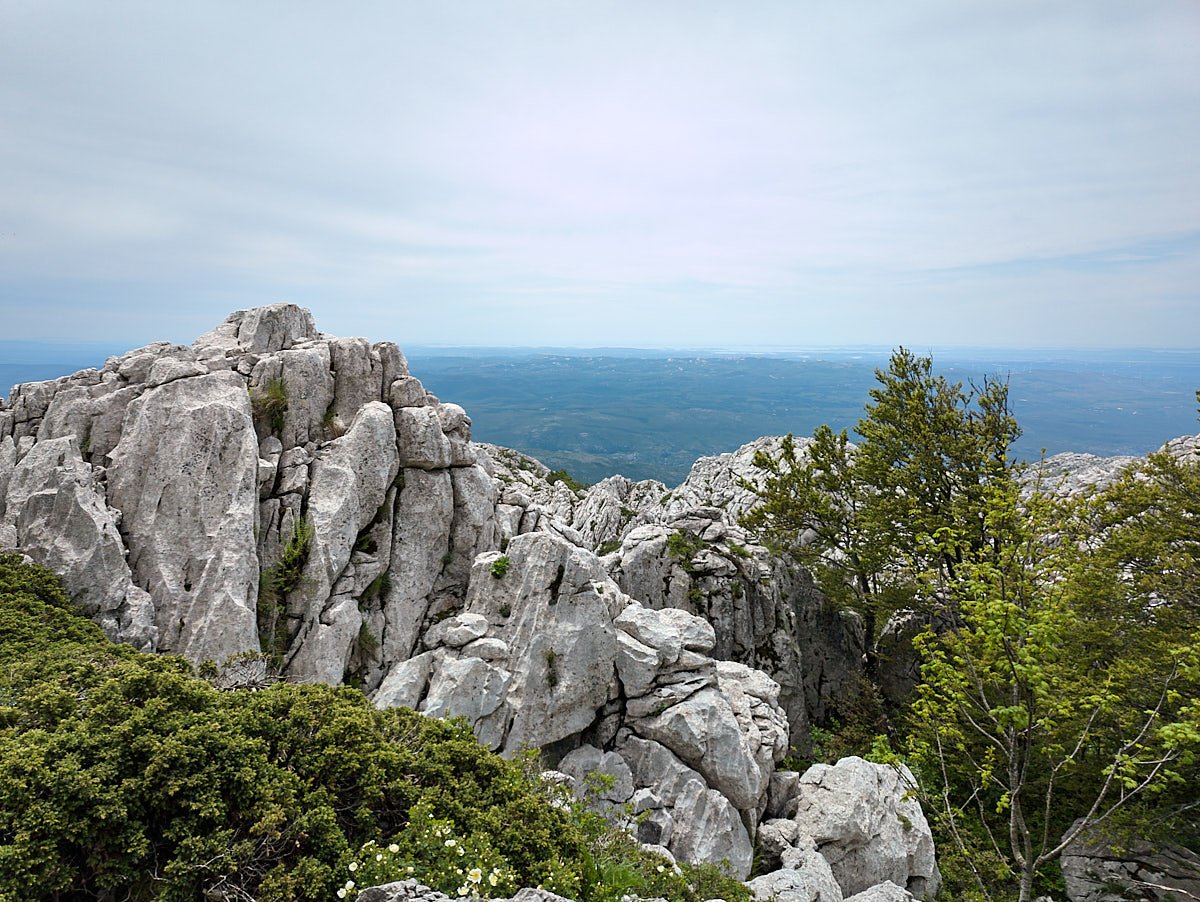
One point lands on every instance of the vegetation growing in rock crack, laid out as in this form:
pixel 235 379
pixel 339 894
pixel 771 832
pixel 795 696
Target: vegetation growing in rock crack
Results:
pixel 274 585
pixel 500 566
pixel 683 546
pixel 566 479
pixel 269 402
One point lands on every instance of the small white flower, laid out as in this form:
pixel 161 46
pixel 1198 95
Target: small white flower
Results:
pixel 349 884
pixel 462 890
pixel 493 879
pixel 353 866
pixel 341 893
pixel 393 848
pixel 661 868
pixel 474 875
pixel 379 857
pixel 449 843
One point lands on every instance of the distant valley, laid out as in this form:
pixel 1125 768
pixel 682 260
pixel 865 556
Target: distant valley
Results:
pixel 650 414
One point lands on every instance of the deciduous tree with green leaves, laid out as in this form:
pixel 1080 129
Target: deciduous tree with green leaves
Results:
pixel 1065 698
pixel 860 516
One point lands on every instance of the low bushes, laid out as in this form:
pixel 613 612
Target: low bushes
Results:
pixel 125 775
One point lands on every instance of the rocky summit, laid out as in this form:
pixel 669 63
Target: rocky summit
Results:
pixel 275 497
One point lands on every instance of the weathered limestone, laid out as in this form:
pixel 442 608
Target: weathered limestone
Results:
pixel 185 478
pixel 554 610
pixel 1099 869
pixel 63 522
pixel 420 549
pixel 883 892
pixel 395 554
pixel 407 891
pixel 864 822
pixel 349 482
pixel 766 614
pixel 806 879
pixel 616 779
pixel 705 826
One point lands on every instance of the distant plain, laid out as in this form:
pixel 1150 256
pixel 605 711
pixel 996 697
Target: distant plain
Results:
pixel 650 414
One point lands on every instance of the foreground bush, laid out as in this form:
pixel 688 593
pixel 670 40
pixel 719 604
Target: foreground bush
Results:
pixel 124 775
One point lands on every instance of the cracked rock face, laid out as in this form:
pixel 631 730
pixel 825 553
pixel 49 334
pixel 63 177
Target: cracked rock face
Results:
pixel 1096 869
pixel 173 487
pixel 548 650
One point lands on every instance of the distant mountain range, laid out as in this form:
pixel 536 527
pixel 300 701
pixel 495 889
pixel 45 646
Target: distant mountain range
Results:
pixel 650 414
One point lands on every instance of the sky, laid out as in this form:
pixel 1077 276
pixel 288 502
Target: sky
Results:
pixel 759 174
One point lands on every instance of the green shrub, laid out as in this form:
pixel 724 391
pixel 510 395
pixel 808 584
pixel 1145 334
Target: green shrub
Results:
pixel 124 775
pixel 275 583
pixel 683 546
pixel 270 402
pixel 566 479
pixel 500 566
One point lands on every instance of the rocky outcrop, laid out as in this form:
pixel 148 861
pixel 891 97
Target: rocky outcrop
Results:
pixel 251 492
pixel 273 488
pixel 64 522
pixel 184 476
pixel 721 481
pixel 767 614
pixel 401 891
pixel 882 892
pixel 548 652
pixel 1097 868
pixel 862 819
pixel 807 878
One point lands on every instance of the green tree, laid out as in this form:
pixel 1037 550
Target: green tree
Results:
pixel 860 517
pixel 1061 701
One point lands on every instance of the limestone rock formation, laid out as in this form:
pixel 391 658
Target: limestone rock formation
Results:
pixel 866 825
pixel 807 879
pixel 273 489
pixel 548 652
pixel 251 492
pixel 1101 869
pixel 883 892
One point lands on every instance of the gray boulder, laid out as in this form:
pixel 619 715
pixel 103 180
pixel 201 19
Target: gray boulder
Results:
pixel 401 891
pixel 864 821
pixel 810 881
pixel 883 892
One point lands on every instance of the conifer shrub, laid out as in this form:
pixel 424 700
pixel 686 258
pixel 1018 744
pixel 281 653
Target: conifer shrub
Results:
pixel 126 775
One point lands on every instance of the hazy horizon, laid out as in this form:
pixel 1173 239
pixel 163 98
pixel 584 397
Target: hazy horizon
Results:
pixel 649 413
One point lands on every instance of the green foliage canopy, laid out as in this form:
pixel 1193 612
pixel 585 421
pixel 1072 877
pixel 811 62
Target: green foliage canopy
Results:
pixel 861 517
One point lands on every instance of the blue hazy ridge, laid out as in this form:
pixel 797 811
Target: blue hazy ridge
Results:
pixel 650 414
